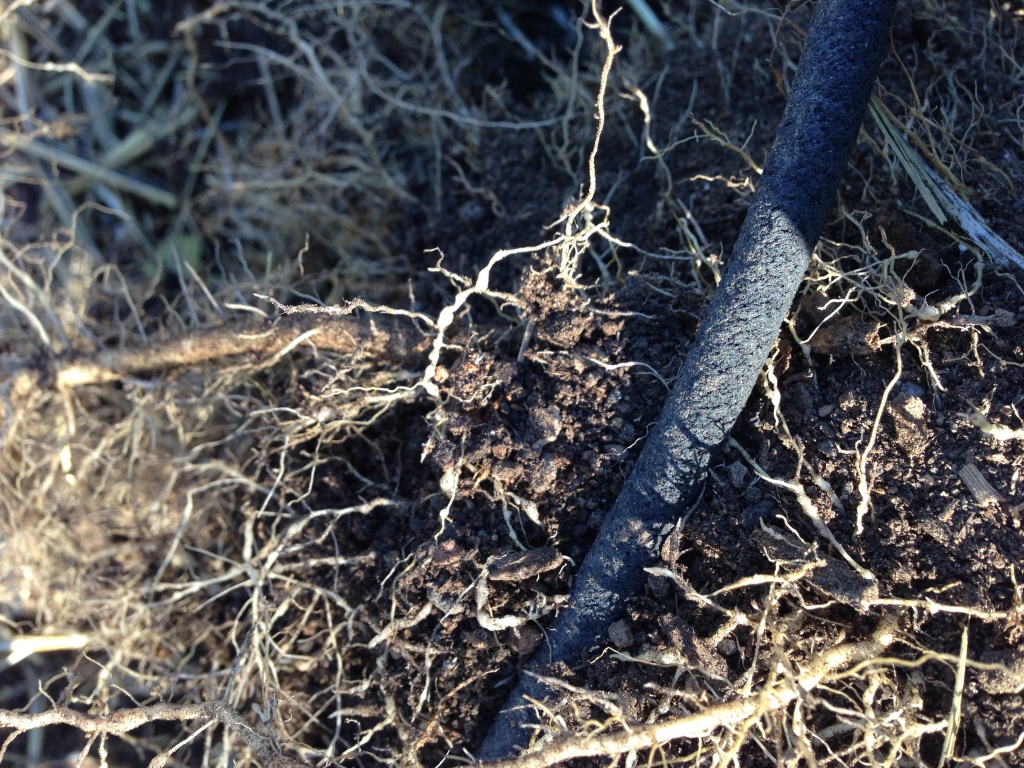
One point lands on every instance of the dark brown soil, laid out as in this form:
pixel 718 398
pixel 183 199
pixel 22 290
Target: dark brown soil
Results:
pixel 554 422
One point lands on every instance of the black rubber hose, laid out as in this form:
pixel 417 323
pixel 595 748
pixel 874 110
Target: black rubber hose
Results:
pixel 845 45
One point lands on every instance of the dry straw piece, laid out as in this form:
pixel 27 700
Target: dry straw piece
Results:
pixel 942 201
pixel 980 488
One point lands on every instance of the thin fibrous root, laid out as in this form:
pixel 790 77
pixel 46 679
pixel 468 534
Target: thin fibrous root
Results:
pixel 124 721
pixel 344 334
pixel 726 714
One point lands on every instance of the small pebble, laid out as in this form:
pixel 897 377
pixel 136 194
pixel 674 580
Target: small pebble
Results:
pixel 753 515
pixel 620 634
pixel 727 646
pixel 737 474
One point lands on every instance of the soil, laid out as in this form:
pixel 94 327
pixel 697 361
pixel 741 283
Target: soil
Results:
pixel 548 389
